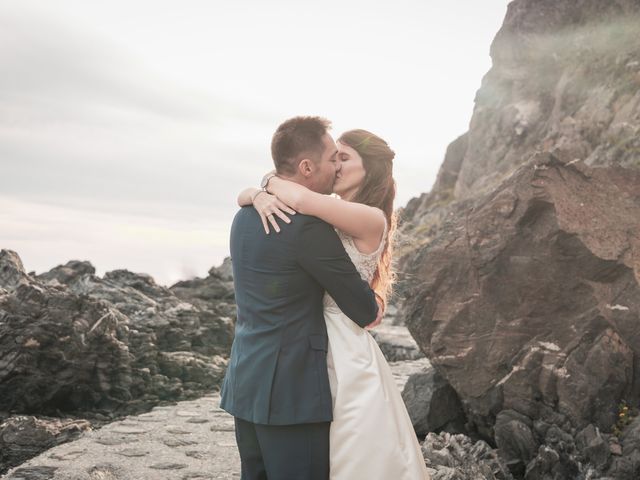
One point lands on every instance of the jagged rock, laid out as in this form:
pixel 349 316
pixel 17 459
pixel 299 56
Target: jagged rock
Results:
pixel 432 404
pixel 103 347
pixel 557 455
pixel 158 314
pixel 627 465
pixel 564 81
pixel 544 465
pixel 631 436
pixel 553 241
pixel 12 272
pixel 68 273
pixel 71 341
pixel 458 457
pixel 224 271
pixel 520 269
pixel 140 282
pixel 593 445
pixel 61 351
pixel 23 437
pixel 530 296
pixel 217 286
pixel 515 439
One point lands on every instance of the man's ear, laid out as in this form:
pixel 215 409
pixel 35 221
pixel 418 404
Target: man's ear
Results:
pixel 306 167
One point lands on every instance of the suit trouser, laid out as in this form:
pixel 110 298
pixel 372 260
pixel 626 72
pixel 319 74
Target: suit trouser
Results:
pixel 283 452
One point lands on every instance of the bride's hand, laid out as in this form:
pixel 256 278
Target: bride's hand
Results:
pixel 269 206
pixel 381 309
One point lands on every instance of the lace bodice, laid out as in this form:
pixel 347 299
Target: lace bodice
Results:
pixel 365 263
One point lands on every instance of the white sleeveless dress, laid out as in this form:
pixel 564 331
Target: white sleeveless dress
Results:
pixel 371 435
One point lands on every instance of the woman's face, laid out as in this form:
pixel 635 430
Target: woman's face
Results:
pixel 351 172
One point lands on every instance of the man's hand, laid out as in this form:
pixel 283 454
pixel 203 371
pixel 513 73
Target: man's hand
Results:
pixel 378 319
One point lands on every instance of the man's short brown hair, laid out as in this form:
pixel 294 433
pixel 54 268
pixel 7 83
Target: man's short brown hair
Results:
pixel 296 139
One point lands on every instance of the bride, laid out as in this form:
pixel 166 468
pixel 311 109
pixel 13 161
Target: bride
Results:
pixel 367 406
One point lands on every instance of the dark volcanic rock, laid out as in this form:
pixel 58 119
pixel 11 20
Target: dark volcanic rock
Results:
pixel 594 446
pixel 61 351
pixel 458 457
pixel 23 437
pixel 101 347
pixel 217 286
pixel 12 272
pixel 224 271
pixel 432 404
pixel 71 341
pixel 515 439
pixel 68 273
pixel 176 323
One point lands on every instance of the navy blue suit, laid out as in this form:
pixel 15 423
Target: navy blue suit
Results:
pixel 277 373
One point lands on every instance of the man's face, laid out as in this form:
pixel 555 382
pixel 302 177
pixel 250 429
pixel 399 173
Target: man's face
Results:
pixel 326 168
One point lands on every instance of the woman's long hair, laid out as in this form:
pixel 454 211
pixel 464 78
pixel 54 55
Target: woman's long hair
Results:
pixel 378 189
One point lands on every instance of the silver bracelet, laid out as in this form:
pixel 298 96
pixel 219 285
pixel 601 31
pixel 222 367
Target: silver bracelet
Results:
pixel 253 197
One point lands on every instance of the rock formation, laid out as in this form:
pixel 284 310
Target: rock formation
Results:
pixel 521 267
pixel 540 277
pixel 75 344
pixel 565 80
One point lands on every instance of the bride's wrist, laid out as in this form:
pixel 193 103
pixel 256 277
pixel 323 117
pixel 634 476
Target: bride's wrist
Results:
pixel 255 193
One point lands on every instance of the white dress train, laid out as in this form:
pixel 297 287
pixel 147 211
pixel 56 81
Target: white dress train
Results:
pixel 371 435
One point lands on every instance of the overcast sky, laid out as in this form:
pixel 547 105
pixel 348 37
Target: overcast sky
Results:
pixel 127 128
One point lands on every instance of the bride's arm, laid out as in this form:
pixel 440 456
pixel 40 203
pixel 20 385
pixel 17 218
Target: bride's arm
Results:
pixel 356 219
pixel 267 205
pixel 246 196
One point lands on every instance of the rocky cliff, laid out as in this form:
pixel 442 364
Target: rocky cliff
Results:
pixel 75 345
pixel 521 267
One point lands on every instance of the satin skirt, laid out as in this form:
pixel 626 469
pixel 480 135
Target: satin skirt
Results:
pixel 371 435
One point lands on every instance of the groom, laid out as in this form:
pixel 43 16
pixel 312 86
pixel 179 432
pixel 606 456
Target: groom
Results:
pixel 276 385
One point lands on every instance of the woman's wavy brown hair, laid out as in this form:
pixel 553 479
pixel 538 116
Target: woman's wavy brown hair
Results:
pixel 378 189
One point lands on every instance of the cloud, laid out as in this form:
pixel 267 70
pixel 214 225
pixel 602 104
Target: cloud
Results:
pixel 84 124
pixel 74 72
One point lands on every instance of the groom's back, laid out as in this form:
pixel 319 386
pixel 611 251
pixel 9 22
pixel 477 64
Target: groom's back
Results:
pixel 277 370
pixel 274 294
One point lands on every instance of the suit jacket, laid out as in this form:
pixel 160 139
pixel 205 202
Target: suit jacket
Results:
pixel 277 373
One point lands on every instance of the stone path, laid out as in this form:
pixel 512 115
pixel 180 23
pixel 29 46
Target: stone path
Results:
pixel 193 440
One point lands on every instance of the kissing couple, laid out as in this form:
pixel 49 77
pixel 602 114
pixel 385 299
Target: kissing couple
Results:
pixel 310 391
